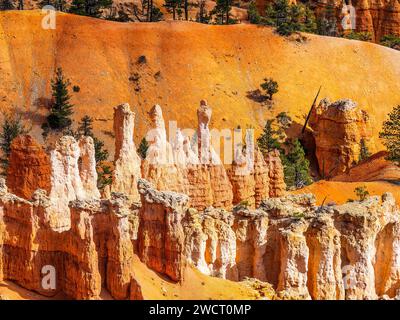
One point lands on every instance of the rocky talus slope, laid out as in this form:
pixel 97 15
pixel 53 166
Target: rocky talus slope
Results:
pixel 304 251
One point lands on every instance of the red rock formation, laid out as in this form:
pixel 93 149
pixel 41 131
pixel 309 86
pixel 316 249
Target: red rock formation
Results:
pixel 160 234
pixel 99 236
pixel 277 186
pixel 338 129
pixel 29 167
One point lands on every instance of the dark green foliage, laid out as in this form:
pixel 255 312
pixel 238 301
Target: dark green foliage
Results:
pixel 361 192
pixel 147 12
pixel 202 15
pixel 362 36
pixel 156 15
pixel 6 5
pixel 289 18
pixel 391 135
pixel 296 167
pixel 104 176
pixel 142 149
pixel 391 41
pixel 91 8
pixel 222 12
pixel 327 22
pixel 252 12
pixel 86 126
pixel 61 110
pixel 269 139
pixel 11 127
pixel 270 87
pixel 172 7
pixel 364 152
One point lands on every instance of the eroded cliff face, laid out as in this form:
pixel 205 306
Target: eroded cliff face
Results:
pixel 376 17
pixel 338 129
pixel 304 251
pixel 232 224
pixel 196 169
pixel 29 167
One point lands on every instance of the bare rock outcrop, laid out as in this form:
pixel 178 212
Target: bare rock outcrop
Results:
pixel 100 236
pixel 127 162
pixel 164 167
pixel 338 129
pixel 29 167
pixel 160 234
pixel 87 167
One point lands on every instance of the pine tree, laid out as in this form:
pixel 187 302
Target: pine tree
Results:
pixel 361 192
pixel 252 13
pixel 10 129
pixel 222 11
pixel 142 149
pixel 86 126
pixel 6 5
pixel 172 6
pixel 203 16
pixel 92 8
pixel 364 152
pixel 270 87
pixel 391 135
pixel 296 167
pixel 269 140
pixel 61 110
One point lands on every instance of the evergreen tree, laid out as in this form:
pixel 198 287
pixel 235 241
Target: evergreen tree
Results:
pixel 172 6
pixel 10 129
pixel 92 8
pixel 391 135
pixel 270 87
pixel 203 16
pixel 296 166
pixel 327 22
pixel 364 152
pixel 361 36
pixel 61 110
pixel 86 126
pixel 222 10
pixel 252 12
pixel 391 41
pixel 142 149
pixel 6 5
pixel 310 24
pixel 361 192
pixel 269 139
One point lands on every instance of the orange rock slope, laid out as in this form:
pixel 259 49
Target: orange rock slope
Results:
pixel 185 62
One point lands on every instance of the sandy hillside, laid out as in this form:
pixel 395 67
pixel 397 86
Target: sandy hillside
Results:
pixel 340 192
pixel 186 62
pixel 156 287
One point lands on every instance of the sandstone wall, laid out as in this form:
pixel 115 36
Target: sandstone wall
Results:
pixel 338 129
